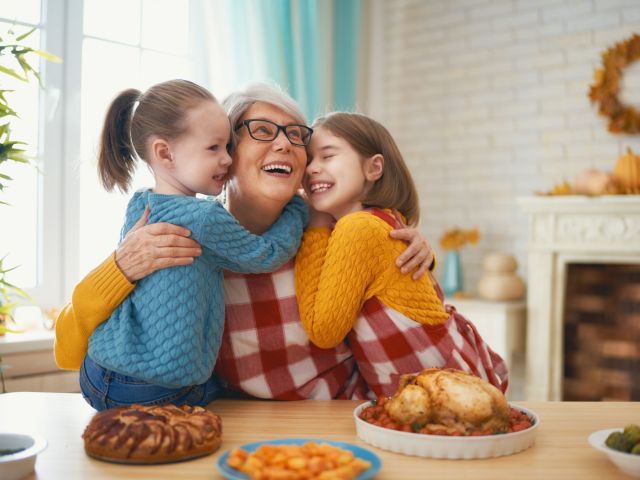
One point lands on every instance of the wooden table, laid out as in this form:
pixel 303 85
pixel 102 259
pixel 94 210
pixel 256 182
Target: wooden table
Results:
pixel 561 449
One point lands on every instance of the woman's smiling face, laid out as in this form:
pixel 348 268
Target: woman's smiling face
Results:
pixel 270 170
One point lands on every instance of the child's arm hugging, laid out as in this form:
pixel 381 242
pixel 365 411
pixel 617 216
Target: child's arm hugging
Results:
pixel 237 249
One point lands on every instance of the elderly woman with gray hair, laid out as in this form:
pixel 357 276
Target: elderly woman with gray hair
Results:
pixel 265 352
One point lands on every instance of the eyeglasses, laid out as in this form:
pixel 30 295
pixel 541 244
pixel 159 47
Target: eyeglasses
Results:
pixel 266 131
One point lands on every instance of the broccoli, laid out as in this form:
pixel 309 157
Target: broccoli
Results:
pixel 636 450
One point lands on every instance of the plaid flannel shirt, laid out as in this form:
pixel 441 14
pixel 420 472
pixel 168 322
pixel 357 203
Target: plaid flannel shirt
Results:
pixel 266 353
pixel 387 344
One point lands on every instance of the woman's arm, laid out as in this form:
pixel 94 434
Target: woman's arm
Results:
pixel 148 248
pixel 92 302
pixel 418 256
pixel 144 250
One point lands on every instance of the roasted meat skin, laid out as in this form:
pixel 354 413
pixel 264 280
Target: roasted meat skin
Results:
pixel 451 400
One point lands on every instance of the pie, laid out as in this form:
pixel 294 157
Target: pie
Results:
pixel 152 434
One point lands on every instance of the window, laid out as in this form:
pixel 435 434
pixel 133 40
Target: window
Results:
pixel 22 192
pixel 65 222
pixel 148 46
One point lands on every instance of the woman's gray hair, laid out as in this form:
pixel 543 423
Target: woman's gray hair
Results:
pixel 237 104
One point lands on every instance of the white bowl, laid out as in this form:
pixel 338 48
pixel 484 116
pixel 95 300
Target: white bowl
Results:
pixel 444 446
pixel 20 464
pixel 628 463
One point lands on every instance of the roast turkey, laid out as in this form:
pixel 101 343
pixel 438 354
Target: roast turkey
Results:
pixel 449 400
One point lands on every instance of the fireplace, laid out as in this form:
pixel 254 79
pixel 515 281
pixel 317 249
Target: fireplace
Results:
pixel 601 332
pixel 573 238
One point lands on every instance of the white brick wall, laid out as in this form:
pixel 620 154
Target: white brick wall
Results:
pixel 488 101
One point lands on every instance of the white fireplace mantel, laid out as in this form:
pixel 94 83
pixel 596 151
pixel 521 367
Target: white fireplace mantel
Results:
pixel 564 230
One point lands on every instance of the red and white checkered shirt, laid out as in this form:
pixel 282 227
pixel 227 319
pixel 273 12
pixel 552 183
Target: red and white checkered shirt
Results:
pixel 387 344
pixel 266 353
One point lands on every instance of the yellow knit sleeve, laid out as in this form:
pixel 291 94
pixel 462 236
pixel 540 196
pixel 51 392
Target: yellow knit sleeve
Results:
pixel 334 274
pixel 94 299
pixel 309 261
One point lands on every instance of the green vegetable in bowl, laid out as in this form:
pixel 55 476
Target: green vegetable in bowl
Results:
pixel 619 441
pixel 626 441
pixel 633 433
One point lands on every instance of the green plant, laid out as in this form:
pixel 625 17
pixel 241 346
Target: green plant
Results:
pixel 15 61
pixel 9 296
pixel 15 58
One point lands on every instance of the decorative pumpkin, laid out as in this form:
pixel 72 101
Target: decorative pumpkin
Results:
pixel 627 172
pixel 594 182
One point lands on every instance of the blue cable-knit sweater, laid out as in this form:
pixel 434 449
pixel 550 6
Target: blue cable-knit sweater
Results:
pixel 168 331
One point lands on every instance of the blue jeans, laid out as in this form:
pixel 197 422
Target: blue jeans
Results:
pixel 103 388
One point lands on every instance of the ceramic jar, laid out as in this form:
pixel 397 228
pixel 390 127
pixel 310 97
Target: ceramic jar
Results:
pixel 499 280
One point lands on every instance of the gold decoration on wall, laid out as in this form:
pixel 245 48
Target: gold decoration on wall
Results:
pixel 606 87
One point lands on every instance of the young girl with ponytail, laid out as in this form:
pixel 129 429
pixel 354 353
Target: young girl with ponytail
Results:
pixel 160 345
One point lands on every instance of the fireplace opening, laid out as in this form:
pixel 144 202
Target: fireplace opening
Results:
pixel 602 332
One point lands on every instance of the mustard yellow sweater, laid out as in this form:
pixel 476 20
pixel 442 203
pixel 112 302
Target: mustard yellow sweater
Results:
pixel 94 300
pixel 337 271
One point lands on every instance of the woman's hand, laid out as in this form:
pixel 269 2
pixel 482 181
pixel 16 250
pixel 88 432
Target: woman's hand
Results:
pixel 418 256
pixel 147 248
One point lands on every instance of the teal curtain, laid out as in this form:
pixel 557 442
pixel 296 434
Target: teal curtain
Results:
pixel 346 44
pixel 308 47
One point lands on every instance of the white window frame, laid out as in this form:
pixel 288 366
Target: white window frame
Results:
pixel 59 147
pixel 60 151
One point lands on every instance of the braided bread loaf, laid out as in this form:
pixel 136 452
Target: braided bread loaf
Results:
pixel 152 434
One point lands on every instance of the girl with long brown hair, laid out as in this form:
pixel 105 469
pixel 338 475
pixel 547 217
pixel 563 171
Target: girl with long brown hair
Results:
pixel 356 178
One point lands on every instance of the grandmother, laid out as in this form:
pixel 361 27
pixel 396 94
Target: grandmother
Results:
pixel 265 352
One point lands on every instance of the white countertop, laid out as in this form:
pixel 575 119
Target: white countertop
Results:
pixel 30 341
pixel 475 304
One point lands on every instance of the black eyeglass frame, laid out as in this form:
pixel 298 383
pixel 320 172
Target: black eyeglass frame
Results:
pixel 283 128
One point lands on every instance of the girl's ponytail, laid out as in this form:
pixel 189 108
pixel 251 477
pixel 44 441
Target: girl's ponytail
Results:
pixel 161 112
pixel 117 156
